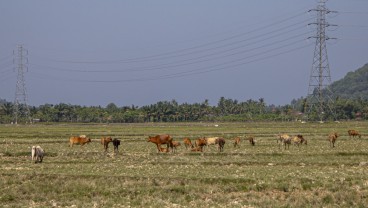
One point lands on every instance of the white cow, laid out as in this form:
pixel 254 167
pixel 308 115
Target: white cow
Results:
pixel 37 154
pixel 211 141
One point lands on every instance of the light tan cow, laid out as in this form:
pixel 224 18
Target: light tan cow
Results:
pixel 332 138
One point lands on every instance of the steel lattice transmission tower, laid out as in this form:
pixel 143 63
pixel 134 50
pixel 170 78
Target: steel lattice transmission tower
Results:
pixel 319 99
pixel 21 109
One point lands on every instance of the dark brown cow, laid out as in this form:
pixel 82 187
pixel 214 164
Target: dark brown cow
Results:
pixel 78 140
pixel 161 139
pixel 221 144
pixel 105 142
pixel 354 133
pixel 188 143
pixel 116 143
pixel 332 138
pixel 251 140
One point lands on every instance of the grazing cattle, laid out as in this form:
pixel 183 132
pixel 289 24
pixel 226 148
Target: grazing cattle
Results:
pixel 284 140
pixel 188 143
pixel 78 140
pixel 354 133
pixel 37 154
pixel 116 143
pixel 197 149
pixel 221 143
pixel 299 139
pixel 175 144
pixel 161 139
pixel 237 141
pixel 105 142
pixel 211 140
pixel 332 138
pixel 201 142
pixel 251 140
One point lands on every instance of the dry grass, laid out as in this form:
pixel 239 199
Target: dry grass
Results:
pixel 249 176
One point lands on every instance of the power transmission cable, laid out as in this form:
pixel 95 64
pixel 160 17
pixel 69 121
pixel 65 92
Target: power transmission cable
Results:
pixel 195 58
pixel 184 49
pixel 181 74
pixel 180 63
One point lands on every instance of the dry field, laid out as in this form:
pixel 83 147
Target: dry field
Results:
pixel 313 175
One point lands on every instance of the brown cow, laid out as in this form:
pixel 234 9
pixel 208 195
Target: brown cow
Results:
pixel 237 141
pixel 78 140
pixel 161 139
pixel 201 142
pixel 221 144
pixel 105 142
pixel 251 140
pixel 188 143
pixel 354 133
pixel 332 138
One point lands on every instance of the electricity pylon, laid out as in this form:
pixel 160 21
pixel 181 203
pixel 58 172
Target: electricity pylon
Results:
pixel 319 99
pixel 21 108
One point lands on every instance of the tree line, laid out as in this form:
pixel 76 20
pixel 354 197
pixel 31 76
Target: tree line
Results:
pixel 172 111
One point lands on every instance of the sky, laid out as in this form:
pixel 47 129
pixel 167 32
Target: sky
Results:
pixel 140 52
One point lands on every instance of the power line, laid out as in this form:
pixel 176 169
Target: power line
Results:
pixel 179 51
pixel 175 75
pixel 185 62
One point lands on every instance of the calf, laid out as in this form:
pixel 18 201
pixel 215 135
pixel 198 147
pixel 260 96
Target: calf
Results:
pixel 353 133
pixel 332 138
pixel 105 142
pixel 116 143
pixel 175 144
pixel 164 149
pixel 236 141
pixel 188 143
pixel 37 154
pixel 197 149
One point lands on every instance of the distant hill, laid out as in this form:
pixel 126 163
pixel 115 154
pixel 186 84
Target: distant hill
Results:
pixel 354 85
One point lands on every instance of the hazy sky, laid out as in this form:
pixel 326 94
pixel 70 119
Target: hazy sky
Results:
pixel 94 52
